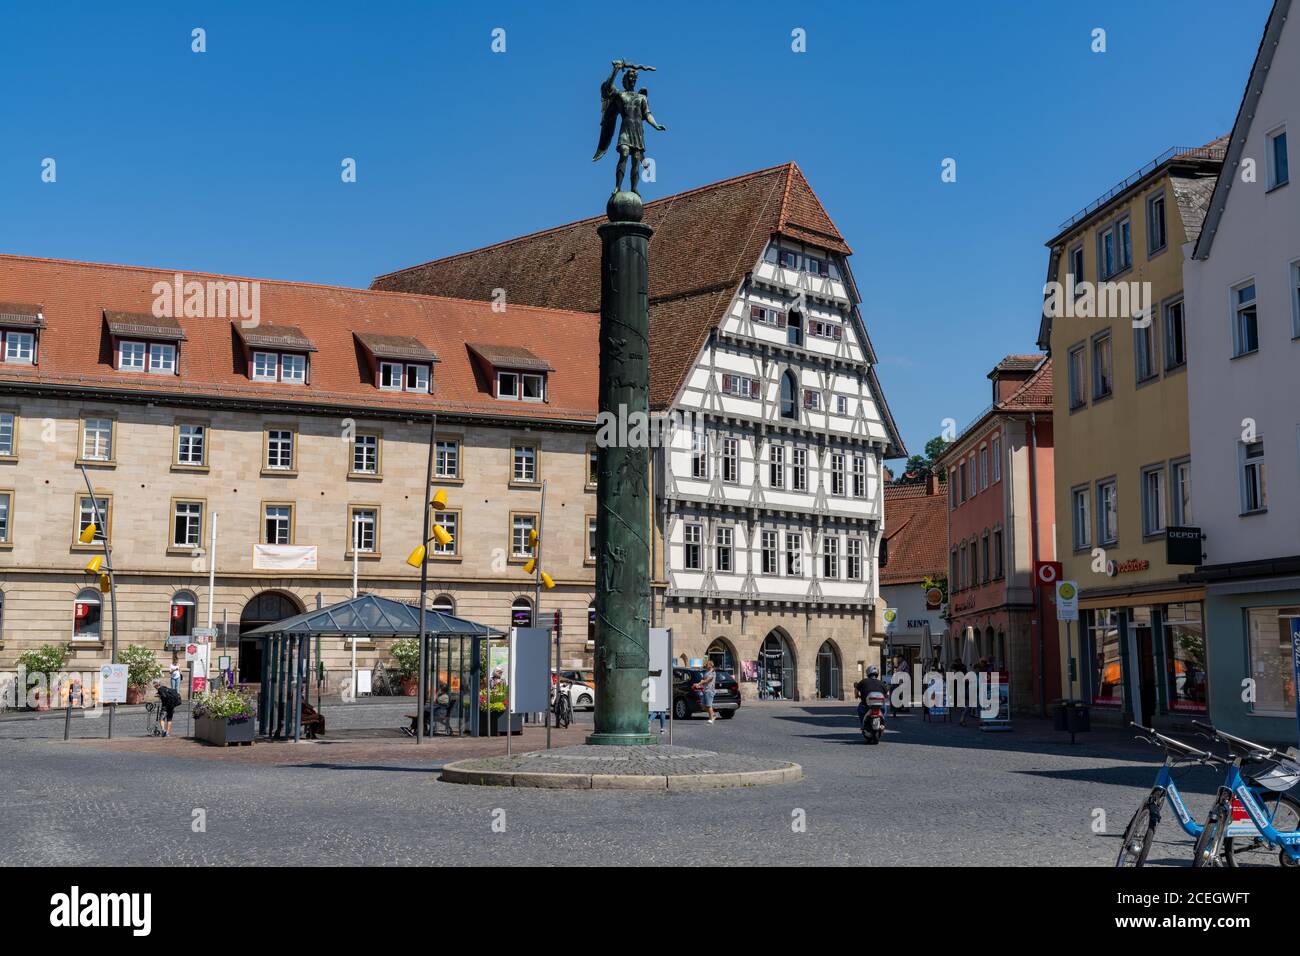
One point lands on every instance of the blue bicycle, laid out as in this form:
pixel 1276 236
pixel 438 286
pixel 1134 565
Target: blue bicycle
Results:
pixel 1141 830
pixel 1272 815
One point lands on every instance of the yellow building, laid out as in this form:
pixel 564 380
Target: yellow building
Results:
pixel 1114 323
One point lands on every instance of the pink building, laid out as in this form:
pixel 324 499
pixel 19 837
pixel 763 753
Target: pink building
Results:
pixel 1001 520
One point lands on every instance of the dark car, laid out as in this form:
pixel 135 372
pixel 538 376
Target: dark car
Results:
pixel 686 701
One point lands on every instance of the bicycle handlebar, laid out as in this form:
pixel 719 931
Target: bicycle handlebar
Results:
pixel 1175 744
pixel 1262 752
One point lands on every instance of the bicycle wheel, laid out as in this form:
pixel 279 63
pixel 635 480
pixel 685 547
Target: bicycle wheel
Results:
pixel 563 711
pixel 1283 810
pixel 1139 833
pixel 1209 844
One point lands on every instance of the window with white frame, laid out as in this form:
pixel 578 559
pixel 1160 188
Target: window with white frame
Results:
pixel 1157 236
pixel 1254 490
pixel 831 558
pixel 761 313
pixel 859 477
pixel 591 538
pixel 86 516
pixel 521 535
pixel 19 347
pixel 1081 517
pixel 162 358
pixel 1076 270
pixel 1107 512
pixel 841 405
pixel 279 449
pixel 446 458
pixel 767 549
pixel 799 469
pixel 1180 485
pixel 187 524
pixel 1245 321
pixel 775 465
pixel 97 439
pixel 266 366
pixel 521 386
pixel 995 458
pixel 853 558
pixel 812 399
pixel 286 367
pixel 8 428
pixel 365 529
pixel 6 516
pixel 293 369
pixel 741 386
pixel 86 615
pixel 722 554
pixel 1078 374
pixel 1175 335
pixel 399 377
pixel 972 478
pixel 191 444
pixel 984 467
pixel 837 474
pixel 730 460
pixel 450 521
pixel 365 454
pixel 132 356
pixel 699 454
pixel 693 540
pixel 1153 500
pixel 277 524
pixel 1279 167
pixel 1146 365
pixel 961 480
pixel 524 464
pixel 1103 380
pixel 794 554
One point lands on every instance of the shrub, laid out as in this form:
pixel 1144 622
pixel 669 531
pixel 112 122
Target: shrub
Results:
pixel 407 654
pixel 142 666
pixel 222 704
pixel 47 659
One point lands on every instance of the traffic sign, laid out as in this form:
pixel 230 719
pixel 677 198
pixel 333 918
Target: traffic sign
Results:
pixel 1067 600
pixel 1047 573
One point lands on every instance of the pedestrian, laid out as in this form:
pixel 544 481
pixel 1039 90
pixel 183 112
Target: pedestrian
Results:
pixel 662 715
pixel 959 668
pixel 175 675
pixel 706 687
pixel 168 701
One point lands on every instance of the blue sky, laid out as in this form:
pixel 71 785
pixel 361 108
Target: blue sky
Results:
pixel 229 161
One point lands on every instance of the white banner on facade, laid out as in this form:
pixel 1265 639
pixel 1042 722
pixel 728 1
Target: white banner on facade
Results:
pixel 284 557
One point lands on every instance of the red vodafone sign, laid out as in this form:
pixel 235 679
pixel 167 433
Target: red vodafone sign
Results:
pixel 1047 572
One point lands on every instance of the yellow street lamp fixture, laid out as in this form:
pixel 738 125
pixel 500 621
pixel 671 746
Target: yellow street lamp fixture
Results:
pixel 440 498
pixel 530 565
pixel 532 537
pixel 105 583
pixel 87 533
pixel 96 563
pixel 416 558
pixel 441 535
pixel 548 581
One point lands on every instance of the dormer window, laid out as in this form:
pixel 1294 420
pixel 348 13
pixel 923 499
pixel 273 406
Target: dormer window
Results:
pixel 401 377
pixel 19 326
pixel 158 358
pixel 276 353
pixel 515 373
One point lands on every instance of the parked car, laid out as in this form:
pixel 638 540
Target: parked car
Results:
pixel 687 701
pixel 581 690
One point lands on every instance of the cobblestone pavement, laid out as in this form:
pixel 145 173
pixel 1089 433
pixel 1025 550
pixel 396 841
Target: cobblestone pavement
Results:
pixel 929 794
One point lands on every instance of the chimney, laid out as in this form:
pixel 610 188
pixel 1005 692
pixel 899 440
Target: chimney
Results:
pixel 932 484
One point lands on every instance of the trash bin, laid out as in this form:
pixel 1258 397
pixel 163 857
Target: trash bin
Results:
pixel 1072 716
pixel 1059 718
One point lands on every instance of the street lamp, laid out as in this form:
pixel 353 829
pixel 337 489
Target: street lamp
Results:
pixel 419 558
pixel 103 566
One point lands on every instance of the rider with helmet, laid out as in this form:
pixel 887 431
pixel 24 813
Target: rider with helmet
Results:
pixel 868 685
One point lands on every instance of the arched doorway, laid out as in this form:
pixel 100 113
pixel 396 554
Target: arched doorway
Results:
pixel 723 656
pixel 776 673
pixel 828 672
pixel 264 608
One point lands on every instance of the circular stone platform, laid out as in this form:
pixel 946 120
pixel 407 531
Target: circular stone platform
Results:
pixel 621 768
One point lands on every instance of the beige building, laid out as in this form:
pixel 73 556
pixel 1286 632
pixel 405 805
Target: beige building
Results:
pixel 1114 321
pixel 289 431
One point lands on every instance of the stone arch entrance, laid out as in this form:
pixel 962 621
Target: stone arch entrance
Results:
pixel 266 607
pixel 723 655
pixel 829 672
pixel 776 667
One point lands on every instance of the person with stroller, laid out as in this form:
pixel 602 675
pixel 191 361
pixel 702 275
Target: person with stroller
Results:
pixel 168 701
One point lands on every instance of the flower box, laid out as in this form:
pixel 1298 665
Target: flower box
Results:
pixel 224 730
pixel 498 724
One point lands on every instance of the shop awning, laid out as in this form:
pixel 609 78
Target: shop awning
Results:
pixel 1180 596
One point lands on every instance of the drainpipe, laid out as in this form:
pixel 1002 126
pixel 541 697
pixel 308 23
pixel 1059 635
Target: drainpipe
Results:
pixel 1033 545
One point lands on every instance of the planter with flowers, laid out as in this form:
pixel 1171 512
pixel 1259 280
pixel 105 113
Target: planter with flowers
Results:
pixel 142 670
pixel 46 660
pixel 492 713
pixel 223 716
pixel 406 653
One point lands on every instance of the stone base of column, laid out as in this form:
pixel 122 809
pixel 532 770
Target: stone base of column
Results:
pixel 622 740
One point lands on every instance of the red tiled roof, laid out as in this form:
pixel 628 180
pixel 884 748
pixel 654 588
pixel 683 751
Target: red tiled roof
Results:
pixel 705 241
pixel 916 529
pixel 74 351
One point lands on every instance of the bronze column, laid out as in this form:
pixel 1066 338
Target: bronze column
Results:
pixel 623 493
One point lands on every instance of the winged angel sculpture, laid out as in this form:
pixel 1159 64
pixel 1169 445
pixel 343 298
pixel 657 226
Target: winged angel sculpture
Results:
pixel 634 107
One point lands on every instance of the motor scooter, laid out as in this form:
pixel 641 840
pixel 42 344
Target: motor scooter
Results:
pixel 873 717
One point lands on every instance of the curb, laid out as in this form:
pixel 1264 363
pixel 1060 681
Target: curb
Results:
pixel 451 773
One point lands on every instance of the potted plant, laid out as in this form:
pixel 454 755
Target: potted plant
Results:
pixel 407 654
pixel 492 712
pixel 142 669
pixel 48 660
pixel 223 716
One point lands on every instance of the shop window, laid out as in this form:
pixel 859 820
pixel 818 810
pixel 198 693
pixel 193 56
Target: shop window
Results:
pixel 1270 664
pixel 1185 657
pixel 86 613
pixel 1107 669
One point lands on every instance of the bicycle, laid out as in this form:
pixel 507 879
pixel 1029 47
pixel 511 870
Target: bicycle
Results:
pixel 1216 845
pixel 562 706
pixel 1141 829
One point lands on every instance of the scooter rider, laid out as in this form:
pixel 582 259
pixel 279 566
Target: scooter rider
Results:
pixel 868 685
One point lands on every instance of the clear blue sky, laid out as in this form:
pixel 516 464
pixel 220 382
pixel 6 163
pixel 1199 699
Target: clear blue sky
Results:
pixel 229 161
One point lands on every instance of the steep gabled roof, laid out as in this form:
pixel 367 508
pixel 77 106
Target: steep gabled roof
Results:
pixel 74 352
pixel 1268 45
pixel 705 242
pixel 916 529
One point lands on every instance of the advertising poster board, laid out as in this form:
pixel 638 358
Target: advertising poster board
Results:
pixel 112 683
pixel 530 669
pixel 661 668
